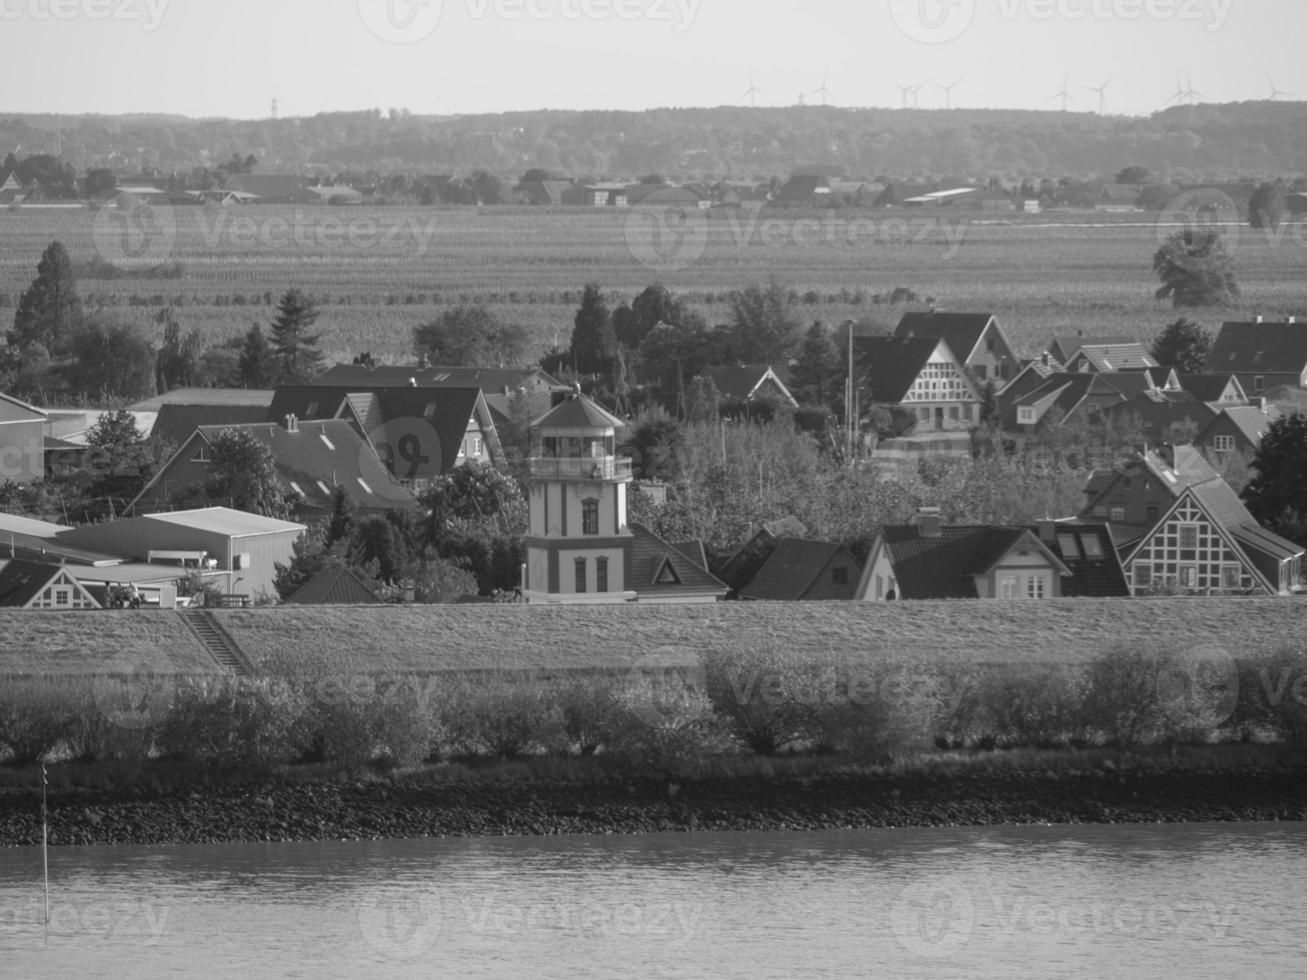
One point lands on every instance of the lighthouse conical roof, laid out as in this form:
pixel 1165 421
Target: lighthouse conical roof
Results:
pixel 579 412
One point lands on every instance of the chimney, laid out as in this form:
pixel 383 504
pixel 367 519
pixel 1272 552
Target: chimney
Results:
pixel 928 522
pixel 1257 318
pixel 292 423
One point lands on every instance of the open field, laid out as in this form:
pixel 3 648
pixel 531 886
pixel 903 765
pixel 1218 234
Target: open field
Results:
pixel 381 271
pixel 520 638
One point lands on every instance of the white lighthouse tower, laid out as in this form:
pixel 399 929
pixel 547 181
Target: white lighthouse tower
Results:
pixel 578 545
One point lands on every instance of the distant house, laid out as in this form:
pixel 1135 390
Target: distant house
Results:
pixel 268 188
pixel 1236 431
pixel 1118 198
pixel 1162 416
pixel 739 568
pixel 1263 355
pixel 931 560
pixel 920 375
pixel 337 194
pixel 241 550
pixel 1067 397
pixel 335 585
pixel 977 340
pixel 1062 349
pixel 662 572
pixel 22 441
pixel 750 383
pixel 1217 390
pixel 798 569
pixel 313 460
pixel 605 195
pixel 1133 497
pixel 419 432
pixel 35 585
pixel 1208 544
pixel 1104 358
pixel 806 190
pixel 11 191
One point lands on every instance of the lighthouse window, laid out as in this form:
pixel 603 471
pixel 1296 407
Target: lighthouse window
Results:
pixel 601 574
pixel 580 575
pixel 590 516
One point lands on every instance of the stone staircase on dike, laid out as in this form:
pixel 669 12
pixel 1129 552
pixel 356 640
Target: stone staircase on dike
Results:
pixel 217 641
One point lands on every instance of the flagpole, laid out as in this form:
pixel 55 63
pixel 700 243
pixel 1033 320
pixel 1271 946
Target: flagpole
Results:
pixel 45 846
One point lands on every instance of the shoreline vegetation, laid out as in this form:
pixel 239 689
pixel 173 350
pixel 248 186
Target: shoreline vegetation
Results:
pixel 730 740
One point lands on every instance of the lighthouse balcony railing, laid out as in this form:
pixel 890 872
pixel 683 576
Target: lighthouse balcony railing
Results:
pixel 580 468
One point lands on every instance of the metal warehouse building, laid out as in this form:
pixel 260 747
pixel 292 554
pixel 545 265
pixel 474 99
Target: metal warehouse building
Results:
pixel 246 547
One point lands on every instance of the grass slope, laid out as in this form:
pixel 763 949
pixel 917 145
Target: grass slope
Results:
pixel 89 643
pixel 441 638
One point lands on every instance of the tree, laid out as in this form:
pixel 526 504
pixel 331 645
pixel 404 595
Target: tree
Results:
pixel 1277 493
pixel 478 520
pixel 255 366
pixel 243 475
pixel 178 362
pixel 1133 175
pixel 295 357
pixel 989 413
pixel 1266 206
pixel 470 336
pixel 594 342
pixel 816 372
pixel 1195 269
pixel 113 360
pixel 120 462
pixel 49 311
pixel 763 323
pixel 1183 345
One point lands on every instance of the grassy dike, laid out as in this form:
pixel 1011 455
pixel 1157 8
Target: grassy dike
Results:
pixel 515 720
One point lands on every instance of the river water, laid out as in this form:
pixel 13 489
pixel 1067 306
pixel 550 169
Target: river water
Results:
pixel 1202 900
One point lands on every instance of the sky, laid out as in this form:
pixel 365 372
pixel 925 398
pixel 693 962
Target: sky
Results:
pixel 232 58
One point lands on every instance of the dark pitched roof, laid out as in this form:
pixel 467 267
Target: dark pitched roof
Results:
pixel 446 411
pixel 22 581
pixel 321 455
pixel 693 550
pixel 1251 422
pixel 791 569
pixel 961 331
pixel 738 384
pixel 942 567
pixel 1207 387
pixel 653 558
pixel 578 412
pixel 1092 577
pixel 177 423
pixel 1260 348
pixel 1220 501
pixel 800 189
pixel 891 364
pixel 335 585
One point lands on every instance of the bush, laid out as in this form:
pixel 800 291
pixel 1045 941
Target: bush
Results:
pixel 36 717
pixel 881 717
pixel 507 719
pixel 667 727
pixel 1273 696
pixel 765 698
pixel 1121 699
pixel 231 723
pixel 591 711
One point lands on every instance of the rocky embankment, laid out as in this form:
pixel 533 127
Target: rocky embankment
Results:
pixel 300 812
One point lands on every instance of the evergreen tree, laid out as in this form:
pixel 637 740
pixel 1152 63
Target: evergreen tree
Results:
pixel 113 360
pixel 1183 345
pixel 1277 495
pixel 593 340
pixel 816 372
pixel 1195 269
pixel 763 323
pixel 255 365
pixel 296 358
pixel 178 361
pixel 49 311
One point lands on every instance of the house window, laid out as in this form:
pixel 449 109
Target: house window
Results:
pixel 580 574
pixel 1188 576
pixel 1100 510
pixel 1230 576
pixel 1188 537
pixel 1035 587
pixel 429 411
pixel 601 574
pixel 1026 415
pixel 1093 547
pixel 1223 444
pixel 839 576
pixel 1118 514
pixel 476 445
pixel 1143 575
pixel 967 413
pixel 980 372
pixel 1152 514
pixel 590 516
pixel 201 454
pixel 1259 384
pixel 1007 587
pixel 1066 543
pixel 311 411
pixel 953 413
pixel 666 574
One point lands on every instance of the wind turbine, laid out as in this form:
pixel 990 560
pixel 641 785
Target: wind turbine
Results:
pixel 1190 92
pixel 904 92
pixel 1275 92
pixel 1064 95
pixel 948 92
pixel 752 94
pixel 1102 95
pixel 1180 93
pixel 823 91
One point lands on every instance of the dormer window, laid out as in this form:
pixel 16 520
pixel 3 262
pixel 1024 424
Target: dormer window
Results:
pixel 666 574
pixel 429 411
pixel 1257 358
pixel 312 410
pixel 327 442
